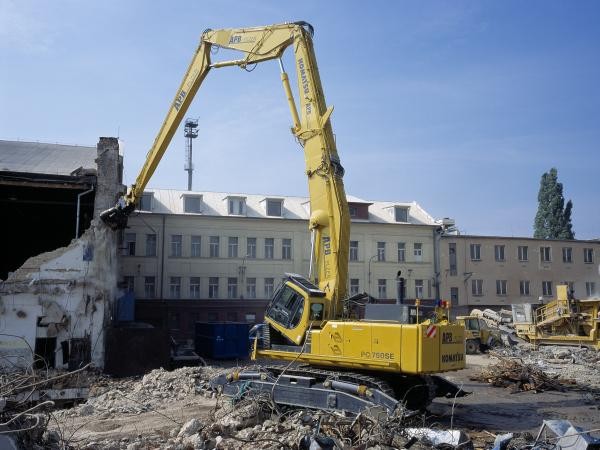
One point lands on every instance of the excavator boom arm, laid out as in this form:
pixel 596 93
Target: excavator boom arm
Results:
pixel 329 220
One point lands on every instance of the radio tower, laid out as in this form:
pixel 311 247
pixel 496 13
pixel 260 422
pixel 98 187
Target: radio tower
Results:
pixel 191 132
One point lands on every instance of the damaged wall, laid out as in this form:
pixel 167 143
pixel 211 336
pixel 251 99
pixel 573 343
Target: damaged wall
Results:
pixel 58 304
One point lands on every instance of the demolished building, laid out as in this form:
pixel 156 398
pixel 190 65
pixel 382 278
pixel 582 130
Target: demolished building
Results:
pixel 55 306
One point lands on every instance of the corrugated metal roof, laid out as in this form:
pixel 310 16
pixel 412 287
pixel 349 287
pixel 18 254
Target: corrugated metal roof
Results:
pixel 168 201
pixel 39 157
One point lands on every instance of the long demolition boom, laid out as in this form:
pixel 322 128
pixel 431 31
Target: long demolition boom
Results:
pixel 329 220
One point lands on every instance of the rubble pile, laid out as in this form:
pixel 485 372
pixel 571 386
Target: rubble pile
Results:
pixel 26 402
pixel 580 363
pixel 111 397
pixel 517 376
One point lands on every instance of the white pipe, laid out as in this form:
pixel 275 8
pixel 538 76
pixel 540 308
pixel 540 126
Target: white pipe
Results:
pixel 78 209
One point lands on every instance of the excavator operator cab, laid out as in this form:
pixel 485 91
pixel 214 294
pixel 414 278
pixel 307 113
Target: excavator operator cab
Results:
pixel 296 302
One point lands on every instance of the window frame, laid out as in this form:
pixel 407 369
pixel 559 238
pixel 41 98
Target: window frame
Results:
pixel 353 251
pixel 176 246
pixel 197 204
pixel 214 244
pixel 475 252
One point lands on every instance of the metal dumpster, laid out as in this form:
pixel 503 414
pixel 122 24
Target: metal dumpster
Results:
pixel 222 340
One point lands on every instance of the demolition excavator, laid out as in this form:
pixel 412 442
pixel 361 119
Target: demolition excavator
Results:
pixel 333 359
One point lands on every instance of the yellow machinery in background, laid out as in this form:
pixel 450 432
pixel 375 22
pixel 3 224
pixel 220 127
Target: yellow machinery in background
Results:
pixel 341 363
pixel 478 335
pixel 565 320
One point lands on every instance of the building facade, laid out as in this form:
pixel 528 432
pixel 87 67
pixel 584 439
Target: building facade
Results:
pixel 206 256
pixel 491 271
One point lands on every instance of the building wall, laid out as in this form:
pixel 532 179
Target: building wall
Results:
pixel 514 271
pixel 177 313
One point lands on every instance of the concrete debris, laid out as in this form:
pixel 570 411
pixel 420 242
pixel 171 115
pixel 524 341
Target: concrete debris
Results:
pixel 513 374
pixel 568 363
pixel 553 434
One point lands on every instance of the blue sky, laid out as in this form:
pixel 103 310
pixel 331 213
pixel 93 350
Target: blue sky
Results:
pixel 460 106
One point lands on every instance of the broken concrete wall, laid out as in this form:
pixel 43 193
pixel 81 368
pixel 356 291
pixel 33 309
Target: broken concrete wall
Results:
pixel 59 303
pixel 58 299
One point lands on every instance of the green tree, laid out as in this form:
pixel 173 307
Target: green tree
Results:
pixel 553 218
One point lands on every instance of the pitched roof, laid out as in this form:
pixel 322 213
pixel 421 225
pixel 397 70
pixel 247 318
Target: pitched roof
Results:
pixel 42 158
pixel 168 201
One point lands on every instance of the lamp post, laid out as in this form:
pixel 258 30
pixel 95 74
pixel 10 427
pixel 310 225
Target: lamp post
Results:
pixel 371 259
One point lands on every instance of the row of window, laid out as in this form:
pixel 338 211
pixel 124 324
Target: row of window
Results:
pixel 214 246
pixel 523 253
pixel 417 251
pixel 525 288
pixel 214 287
pixel 234 290
pixel 236 206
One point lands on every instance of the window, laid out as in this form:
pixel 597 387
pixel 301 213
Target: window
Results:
pixel 547 288
pixel 274 208
pixel 588 255
pixel 250 287
pixel 354 286
pixel 452 258
pixel 129 244
pixel 251 247
pixel 523 253
pixel 232 247
pixel 146 201
pixel 250 317
pixel 570 286
pixel 213 287
pixel 382 288
pixel 231 316
pixel 149 287
pixel 353 211
pixel 418 288
pixel 196 247
pixel 150 245
pixel 590 288
pixel 381 251
pixel 418 251
pixel 213 246
pixel 545 254
pixel 477 287
pixel 269 285
pixel 501 287
pixel 232 287
pixel 401 214
pixel 191 204
pixel 286 249
pixel 236 206
pixel 475 252
pixel 454 296
pixel 567 254
pixel 499 252
pixel 128 283
pixel 401 252
pixel 175 287
pixel 195 287
pixel 213 316
pixel 176 240
pixel 269 247
pixel 174 321
pixel 524 288
pixel 353 250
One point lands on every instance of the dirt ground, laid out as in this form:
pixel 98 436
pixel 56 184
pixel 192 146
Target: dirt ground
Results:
pixel 487 411
pixel 496 410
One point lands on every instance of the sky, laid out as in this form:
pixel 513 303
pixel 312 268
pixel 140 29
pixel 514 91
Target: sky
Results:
pixel 460 106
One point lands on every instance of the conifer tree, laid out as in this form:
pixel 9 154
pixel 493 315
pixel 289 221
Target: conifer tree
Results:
pixel 553 218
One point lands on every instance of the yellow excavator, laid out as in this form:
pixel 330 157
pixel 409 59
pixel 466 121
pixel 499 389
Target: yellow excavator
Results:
pixel 334 360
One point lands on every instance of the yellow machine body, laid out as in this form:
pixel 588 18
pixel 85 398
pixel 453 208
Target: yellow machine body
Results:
pixel 564 320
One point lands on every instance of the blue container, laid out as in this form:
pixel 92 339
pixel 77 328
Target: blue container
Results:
pixel 222 340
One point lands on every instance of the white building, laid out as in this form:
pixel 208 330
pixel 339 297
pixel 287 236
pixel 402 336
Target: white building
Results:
pixel 192 256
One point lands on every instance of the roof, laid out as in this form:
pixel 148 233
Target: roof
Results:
pixel 42 158
pixel 168 201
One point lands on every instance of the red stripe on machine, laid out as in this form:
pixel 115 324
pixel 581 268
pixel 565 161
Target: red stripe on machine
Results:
pixel 431 331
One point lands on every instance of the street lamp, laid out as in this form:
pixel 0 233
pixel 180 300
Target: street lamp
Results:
pixel 371 259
